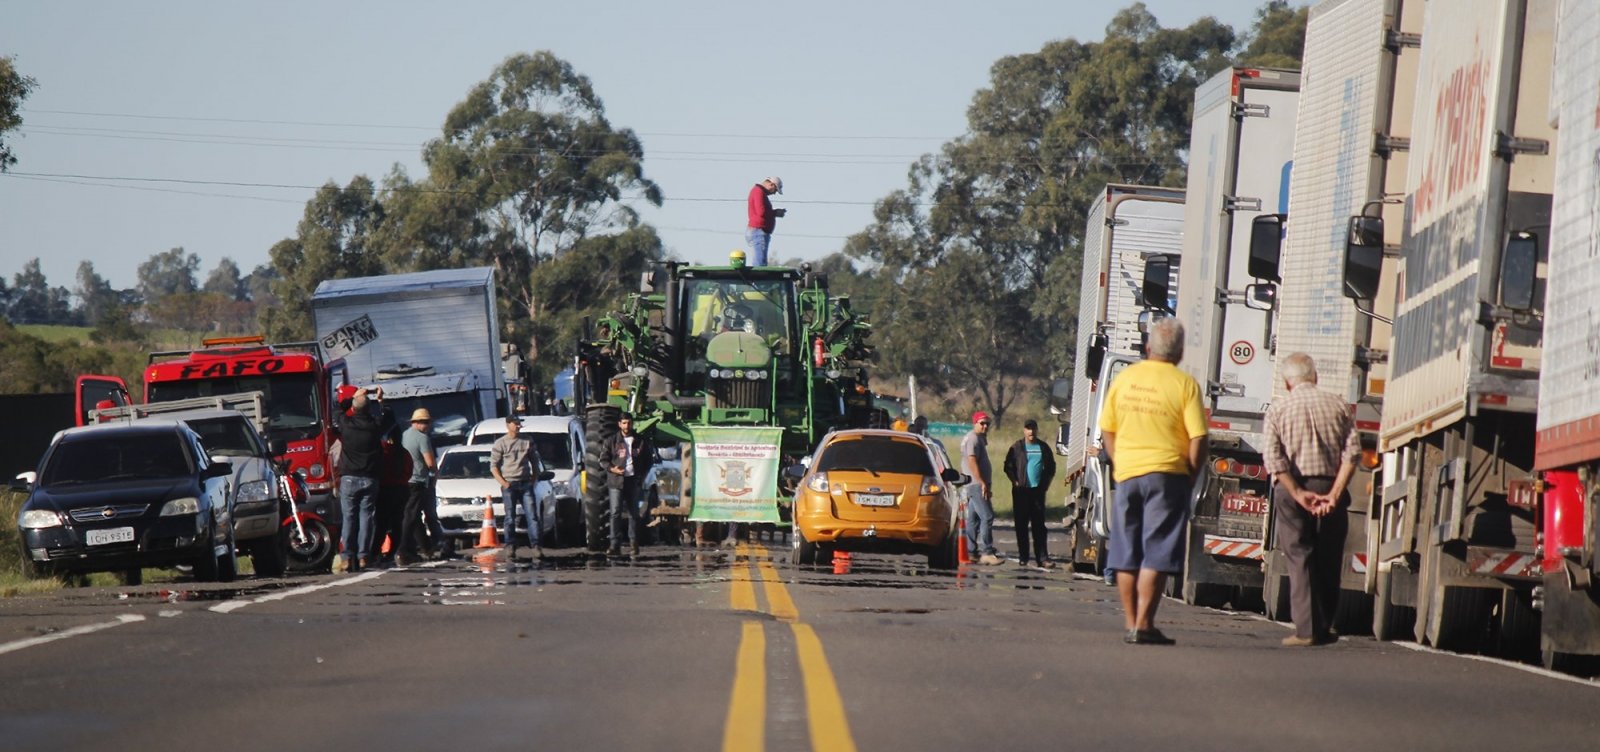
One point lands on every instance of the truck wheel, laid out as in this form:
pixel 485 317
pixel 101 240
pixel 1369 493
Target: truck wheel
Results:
pixel 1455 618
pixel 270 555
pixel 1206 594
pixel 1354 615
pixel 1389 621
pixel 599 426
pixel 1516 627
pixel 1586 666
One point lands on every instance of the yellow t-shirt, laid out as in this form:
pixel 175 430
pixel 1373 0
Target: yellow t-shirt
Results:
pixel 1154 410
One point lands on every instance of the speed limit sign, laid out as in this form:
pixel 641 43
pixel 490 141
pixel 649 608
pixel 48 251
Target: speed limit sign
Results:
pixel 1241 352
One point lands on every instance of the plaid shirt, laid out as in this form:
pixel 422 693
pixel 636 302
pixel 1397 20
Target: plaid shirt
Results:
pixel 1309 433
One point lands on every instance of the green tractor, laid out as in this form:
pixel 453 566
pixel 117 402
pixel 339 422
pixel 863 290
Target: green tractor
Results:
pixel 737 371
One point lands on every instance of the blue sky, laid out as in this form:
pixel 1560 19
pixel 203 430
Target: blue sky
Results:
pixel 837 98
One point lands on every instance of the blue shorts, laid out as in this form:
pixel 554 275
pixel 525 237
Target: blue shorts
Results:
pixel 1148 526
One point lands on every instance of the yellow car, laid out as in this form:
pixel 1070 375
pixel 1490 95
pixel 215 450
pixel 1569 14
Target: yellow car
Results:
pixel 880 492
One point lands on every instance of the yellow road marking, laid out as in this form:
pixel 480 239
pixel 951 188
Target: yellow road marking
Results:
pixel 830 731
pixel 747 711
pixel 778 600
pixel 742 597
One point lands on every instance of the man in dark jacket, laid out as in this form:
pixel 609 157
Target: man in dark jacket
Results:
pixel 627 458
pixel 360 466
pixel 1030 466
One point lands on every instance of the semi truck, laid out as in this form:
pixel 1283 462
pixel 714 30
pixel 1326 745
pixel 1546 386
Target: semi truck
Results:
pixel 1567 451
pixel 1240 151
pixel 1128 225
pixel 430 339
pixel 1350 158
pixel 1455 531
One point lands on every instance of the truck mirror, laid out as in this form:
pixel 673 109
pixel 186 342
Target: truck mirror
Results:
pixel 1262 296
pixel 1146 319
pixel 1519 266
pixel 1363 257
pixel 1157 281
pixel 1096 355
pixel 1266 245
pixel 1060 396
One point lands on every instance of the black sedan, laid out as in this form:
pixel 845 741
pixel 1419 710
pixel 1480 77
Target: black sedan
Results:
pixel 119 497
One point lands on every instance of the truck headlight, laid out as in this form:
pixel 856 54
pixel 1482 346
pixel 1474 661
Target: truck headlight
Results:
pixel 36 519
pixel 256 490
pixel 186 505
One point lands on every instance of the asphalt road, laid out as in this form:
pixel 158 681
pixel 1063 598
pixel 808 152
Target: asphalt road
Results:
pixel 697 649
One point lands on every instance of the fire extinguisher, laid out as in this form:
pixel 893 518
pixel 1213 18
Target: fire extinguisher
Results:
pixel 819 355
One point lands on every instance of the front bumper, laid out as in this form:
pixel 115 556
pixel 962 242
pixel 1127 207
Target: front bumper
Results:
pixel 164 542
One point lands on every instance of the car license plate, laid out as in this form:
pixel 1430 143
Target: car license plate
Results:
pixel 499 508
pixel 113 535
pixel 1244 504
pixel 875 500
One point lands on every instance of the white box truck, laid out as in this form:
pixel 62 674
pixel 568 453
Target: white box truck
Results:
pixel 1568 448
pixel 1240 152
pixel 1456 531
pixel 430 339
pixel 1127 225
pixel 1357 86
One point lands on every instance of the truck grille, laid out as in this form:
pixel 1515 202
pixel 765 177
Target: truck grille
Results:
pixel 740 393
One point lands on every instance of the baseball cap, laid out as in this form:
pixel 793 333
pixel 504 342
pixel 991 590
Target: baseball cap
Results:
pixel 979 416
pixel 1031 424
pixel 777 183
pixel 513 419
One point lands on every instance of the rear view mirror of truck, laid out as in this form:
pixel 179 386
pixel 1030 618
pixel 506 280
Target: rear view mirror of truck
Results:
pixel 1096 354
pixel 1519 267
pixel 1262 296
pixel 1363 257
pixel 1060 397
pixel 1156 284
pixel 1266 245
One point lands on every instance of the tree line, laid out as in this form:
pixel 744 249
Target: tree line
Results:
pixel 971 270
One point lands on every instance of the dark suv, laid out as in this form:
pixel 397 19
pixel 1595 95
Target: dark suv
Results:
pixel 120 497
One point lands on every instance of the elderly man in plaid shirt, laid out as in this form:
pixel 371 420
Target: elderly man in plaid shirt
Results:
pixel 1312 448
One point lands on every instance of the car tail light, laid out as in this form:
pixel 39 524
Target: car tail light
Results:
pixel 930 486
pixel 818 483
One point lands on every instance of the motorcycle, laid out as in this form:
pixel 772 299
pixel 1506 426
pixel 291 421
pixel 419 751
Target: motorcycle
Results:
pixel 312 540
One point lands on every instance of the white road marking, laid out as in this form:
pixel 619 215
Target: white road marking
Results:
pixel 231 606
pixel 65 633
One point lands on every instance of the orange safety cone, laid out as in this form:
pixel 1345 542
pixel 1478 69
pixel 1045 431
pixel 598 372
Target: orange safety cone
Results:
pixel 841 562
pixel 488 538
pixel 388 544
pixel 962 555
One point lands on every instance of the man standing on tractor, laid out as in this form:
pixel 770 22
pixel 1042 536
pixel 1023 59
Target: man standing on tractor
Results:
pixel 762 218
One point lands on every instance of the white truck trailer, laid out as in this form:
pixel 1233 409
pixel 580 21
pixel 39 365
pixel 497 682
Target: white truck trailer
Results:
pixel 1568 449
pixel 1127 225
pixel 430 339
pixel 1240 152
pixel 1455 531
pixel 1350 158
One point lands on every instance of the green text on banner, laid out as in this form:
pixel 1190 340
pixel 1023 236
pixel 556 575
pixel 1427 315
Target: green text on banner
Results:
pixel 735 474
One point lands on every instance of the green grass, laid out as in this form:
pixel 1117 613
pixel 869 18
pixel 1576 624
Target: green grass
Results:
pixel 57 333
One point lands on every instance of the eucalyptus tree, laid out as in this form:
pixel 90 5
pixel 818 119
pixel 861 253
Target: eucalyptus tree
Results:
pixel 335 239
pixel 14 88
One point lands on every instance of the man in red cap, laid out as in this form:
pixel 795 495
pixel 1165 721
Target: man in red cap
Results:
pixel 980 509
pixel 762 218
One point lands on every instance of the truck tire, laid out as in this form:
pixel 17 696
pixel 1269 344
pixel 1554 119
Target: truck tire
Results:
pixel 1454 618
pixel 599 426
pixel 1516 627
pixel 1354 615
pixel 1389 621
pixel 1206 594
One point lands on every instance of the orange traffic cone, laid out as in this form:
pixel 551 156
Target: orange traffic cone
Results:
pixel 841 562
pixel 488 538
pixel 962 555
pixel 388 544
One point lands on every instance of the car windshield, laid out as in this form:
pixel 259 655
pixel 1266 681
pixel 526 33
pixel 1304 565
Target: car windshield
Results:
pixel 553 449
pixel 123 456
pixel 459 465
pixel 291 399
pixel 876 454
pixel 228 437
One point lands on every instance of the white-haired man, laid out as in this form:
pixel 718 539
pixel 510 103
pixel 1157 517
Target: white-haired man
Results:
pixel 1311 452
pixel 1155 431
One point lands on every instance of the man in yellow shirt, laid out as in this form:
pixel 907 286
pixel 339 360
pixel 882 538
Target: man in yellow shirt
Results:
pixel 1155 431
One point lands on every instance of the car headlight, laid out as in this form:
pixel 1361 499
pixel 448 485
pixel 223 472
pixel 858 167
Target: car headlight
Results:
pixel 186 505
pixel 561 487
pixel 39 518
pixel 256 490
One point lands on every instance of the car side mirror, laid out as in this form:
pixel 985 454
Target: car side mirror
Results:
pixel 218 470
pixel 547 475
pixel 1261 296
pixel 1363 257
pixel 950 475
pixel 1266 246
pixel 1093 357
pixel 24 481
pixel 1519 267
pixel 277 447
pixel 1157 282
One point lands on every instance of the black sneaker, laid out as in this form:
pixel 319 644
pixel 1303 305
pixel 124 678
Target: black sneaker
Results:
pixel 1132 637
pixel 1152 637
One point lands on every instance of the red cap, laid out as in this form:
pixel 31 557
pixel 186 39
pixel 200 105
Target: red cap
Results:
pixel 345 392
pixel 979 416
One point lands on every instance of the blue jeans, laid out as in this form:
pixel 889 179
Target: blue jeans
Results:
pixel 980 522
pixel 758 240
pixel 358 497
pixel 519 496
pixel 625 501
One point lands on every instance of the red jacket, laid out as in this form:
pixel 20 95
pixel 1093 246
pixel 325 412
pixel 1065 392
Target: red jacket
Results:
pixel 760 209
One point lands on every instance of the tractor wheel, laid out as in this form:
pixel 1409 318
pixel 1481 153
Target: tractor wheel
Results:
pixel 599 426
